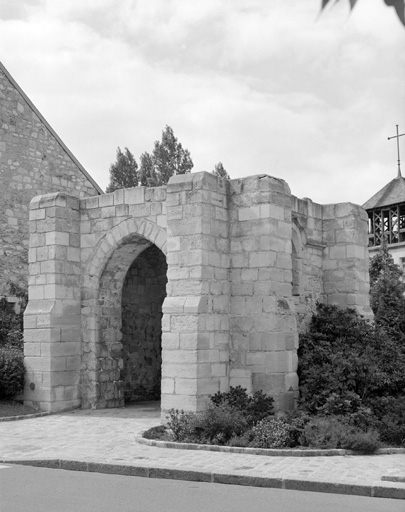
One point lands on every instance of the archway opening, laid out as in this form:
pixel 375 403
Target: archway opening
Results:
pixel 122 355
pixel 143 293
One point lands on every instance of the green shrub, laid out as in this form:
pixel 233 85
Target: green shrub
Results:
pixel 344 360
pixel 179 424
pixel 216 425
pixel 321 432
pixel 389 418
pixel 254 408
pixel 356 439
pixel 10 320
pixel 259 407
pixel 236 397
pixel 387 293
pixel 155 432
pixel 340 405
pixel 229 416
pixel 334 432
pixel 391 432
pixel 241 441
pixel 15 339
pixel 270 433
pixel 297 420
pixel 11 371
pixel 362 418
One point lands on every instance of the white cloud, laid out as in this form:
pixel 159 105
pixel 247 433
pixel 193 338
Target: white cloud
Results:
pixel 261 86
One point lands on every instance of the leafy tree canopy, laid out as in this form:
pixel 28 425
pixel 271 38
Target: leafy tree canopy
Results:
pixel 123 173
pixel 167 159
pixel 398 5
pixel 147 177
pixel 220 172
pixel 344 354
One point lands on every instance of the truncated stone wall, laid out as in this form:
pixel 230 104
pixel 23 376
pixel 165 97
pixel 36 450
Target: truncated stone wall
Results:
pixel 330 258
pixel 195 357
pixel 346 262
pixel 246 263
pixel 263 327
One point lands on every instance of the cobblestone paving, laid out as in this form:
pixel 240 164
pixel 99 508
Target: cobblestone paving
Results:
pixel 108 436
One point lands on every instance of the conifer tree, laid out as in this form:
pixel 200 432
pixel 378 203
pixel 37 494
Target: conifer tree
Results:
pixel 124 172
pixel 220 172
pixel 147 175
pixel 167 159
pixel 387 291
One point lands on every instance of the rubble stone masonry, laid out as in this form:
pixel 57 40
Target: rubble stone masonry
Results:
pixel 33 161
pixel 246 263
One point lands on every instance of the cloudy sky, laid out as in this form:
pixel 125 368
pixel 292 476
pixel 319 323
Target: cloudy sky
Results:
pixel 264 86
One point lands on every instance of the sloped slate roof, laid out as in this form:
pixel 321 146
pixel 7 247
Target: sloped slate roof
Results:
pixel 392 193
pixel 51 130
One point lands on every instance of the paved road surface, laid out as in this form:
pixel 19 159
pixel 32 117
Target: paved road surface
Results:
pixel 30 489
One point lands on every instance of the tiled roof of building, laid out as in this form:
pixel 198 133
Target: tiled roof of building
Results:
pixel 392 193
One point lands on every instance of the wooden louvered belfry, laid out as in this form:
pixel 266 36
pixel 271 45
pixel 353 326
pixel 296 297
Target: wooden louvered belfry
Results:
pixel 386 210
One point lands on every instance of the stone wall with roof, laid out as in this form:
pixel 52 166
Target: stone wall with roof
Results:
pixel 33 161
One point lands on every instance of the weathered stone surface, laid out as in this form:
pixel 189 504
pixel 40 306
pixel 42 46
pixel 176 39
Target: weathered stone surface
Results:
pixel 123 305
pixel 33 161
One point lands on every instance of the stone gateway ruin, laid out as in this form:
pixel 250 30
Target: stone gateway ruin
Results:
pixel 182 291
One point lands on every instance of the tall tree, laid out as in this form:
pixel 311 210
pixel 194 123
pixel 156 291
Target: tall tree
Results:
pixel 169 158
pixel 124 172
pixel 387 291
pixel 147 176
pixel 398 5
pixel 220 172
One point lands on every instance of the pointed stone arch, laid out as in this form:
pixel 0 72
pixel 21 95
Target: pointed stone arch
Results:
pixel 115 238
pixel 103 280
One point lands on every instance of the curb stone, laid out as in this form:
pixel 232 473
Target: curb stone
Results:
pixel 38 414
pixel 375 491
pixel 25 416
pixel 273 452
pixel 393 479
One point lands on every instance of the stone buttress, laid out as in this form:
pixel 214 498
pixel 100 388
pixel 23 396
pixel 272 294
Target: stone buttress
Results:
pixel 52 328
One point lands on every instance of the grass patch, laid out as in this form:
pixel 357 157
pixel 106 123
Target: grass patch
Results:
pixel 14 408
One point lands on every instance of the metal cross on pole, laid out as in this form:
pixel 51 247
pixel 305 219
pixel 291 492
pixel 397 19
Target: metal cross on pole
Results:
pixel 397 136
